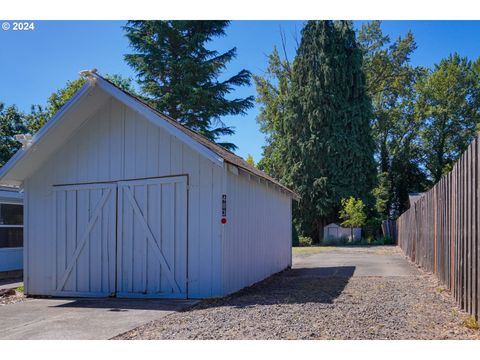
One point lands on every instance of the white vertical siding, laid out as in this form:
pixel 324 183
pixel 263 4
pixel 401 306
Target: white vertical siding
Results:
pixel 258 233
pixel 118 144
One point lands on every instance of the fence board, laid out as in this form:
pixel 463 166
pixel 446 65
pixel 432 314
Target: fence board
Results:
pixel 440 231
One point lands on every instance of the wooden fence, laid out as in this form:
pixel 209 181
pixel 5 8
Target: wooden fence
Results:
pixel 440 232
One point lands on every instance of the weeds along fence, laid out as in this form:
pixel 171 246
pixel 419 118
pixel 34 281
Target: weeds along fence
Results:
pixel 440 232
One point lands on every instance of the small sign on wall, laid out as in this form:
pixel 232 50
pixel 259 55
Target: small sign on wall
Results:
pixel 224 209
pixel 224 205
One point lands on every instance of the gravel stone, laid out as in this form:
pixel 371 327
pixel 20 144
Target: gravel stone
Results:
pixel 11 297
pixel 303 304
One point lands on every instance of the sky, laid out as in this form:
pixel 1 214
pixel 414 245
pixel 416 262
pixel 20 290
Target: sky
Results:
pixel 35 63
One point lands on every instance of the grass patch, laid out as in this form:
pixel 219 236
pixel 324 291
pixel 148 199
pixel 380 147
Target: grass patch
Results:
pixel 471 323
pixel 310 250
pixel 345 241
pixel 20 289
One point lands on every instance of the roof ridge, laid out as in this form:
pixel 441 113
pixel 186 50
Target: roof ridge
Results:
pixel 203 140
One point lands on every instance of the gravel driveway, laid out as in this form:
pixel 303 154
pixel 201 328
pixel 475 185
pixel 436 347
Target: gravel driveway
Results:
pixel 342 293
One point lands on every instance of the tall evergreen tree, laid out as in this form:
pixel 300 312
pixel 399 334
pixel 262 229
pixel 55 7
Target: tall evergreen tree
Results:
pixel 180 75
pixel 329 143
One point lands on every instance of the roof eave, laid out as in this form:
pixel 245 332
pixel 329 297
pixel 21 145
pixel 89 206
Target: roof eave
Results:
pixel 38 137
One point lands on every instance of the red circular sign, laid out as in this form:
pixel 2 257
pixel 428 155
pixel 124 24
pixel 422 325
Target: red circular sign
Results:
pixel 223 221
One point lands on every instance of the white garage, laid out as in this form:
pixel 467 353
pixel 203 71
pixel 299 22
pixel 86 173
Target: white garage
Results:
pixel 120 200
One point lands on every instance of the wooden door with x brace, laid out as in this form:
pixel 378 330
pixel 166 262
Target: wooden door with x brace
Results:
pixel 127 239
pixel 152 238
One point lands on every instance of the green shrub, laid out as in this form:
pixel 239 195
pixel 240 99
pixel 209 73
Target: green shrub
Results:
pixel 304 241
pixel 383 240
pixel 372 228
pixel 378 241
pixel 331 241
pixel 328 241
pixel 363 241
pixel 388 240
pixel 345 241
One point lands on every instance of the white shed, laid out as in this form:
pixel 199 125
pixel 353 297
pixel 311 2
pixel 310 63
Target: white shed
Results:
pixel 335 231
pixel 122 200
pixel 11 231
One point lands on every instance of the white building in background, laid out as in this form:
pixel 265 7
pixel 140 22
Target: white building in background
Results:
pixel 335 231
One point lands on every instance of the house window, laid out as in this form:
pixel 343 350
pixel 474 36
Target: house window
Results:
pixel 11 225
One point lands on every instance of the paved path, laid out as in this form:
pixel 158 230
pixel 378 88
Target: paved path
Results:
pixel 11 283
pixel 362 261
pixel 80 319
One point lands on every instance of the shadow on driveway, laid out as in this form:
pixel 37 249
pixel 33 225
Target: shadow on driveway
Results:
pixel 293 286
pixel 123 305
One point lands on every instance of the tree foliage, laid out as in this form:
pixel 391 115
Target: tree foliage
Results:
pixel 180 74
pixel 12 122
pixel 449 107
pixel 272 94
pixel 329 147
pixel 391 85
pixel 250 160
pixel 352 213
pixel 40 115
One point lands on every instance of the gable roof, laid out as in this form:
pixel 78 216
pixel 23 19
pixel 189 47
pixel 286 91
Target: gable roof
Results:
pixel 27 157
pixel 332 225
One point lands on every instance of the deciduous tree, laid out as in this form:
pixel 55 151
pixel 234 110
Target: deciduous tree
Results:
pixel 352 213
pixel 391 85
pixel 272 94
pixel 12 122
pixel 449 106
pixel 250 160
pixel 39 115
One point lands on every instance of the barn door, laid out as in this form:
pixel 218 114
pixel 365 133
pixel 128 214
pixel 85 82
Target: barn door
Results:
pixel 152 238
pixel 85 239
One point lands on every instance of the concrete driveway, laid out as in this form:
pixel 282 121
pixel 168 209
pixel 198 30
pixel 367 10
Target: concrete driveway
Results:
pixel 363 261
pixel 81 318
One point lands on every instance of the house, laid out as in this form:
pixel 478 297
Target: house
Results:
pixel 11 232
pixel 122 200
pixel 335 231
